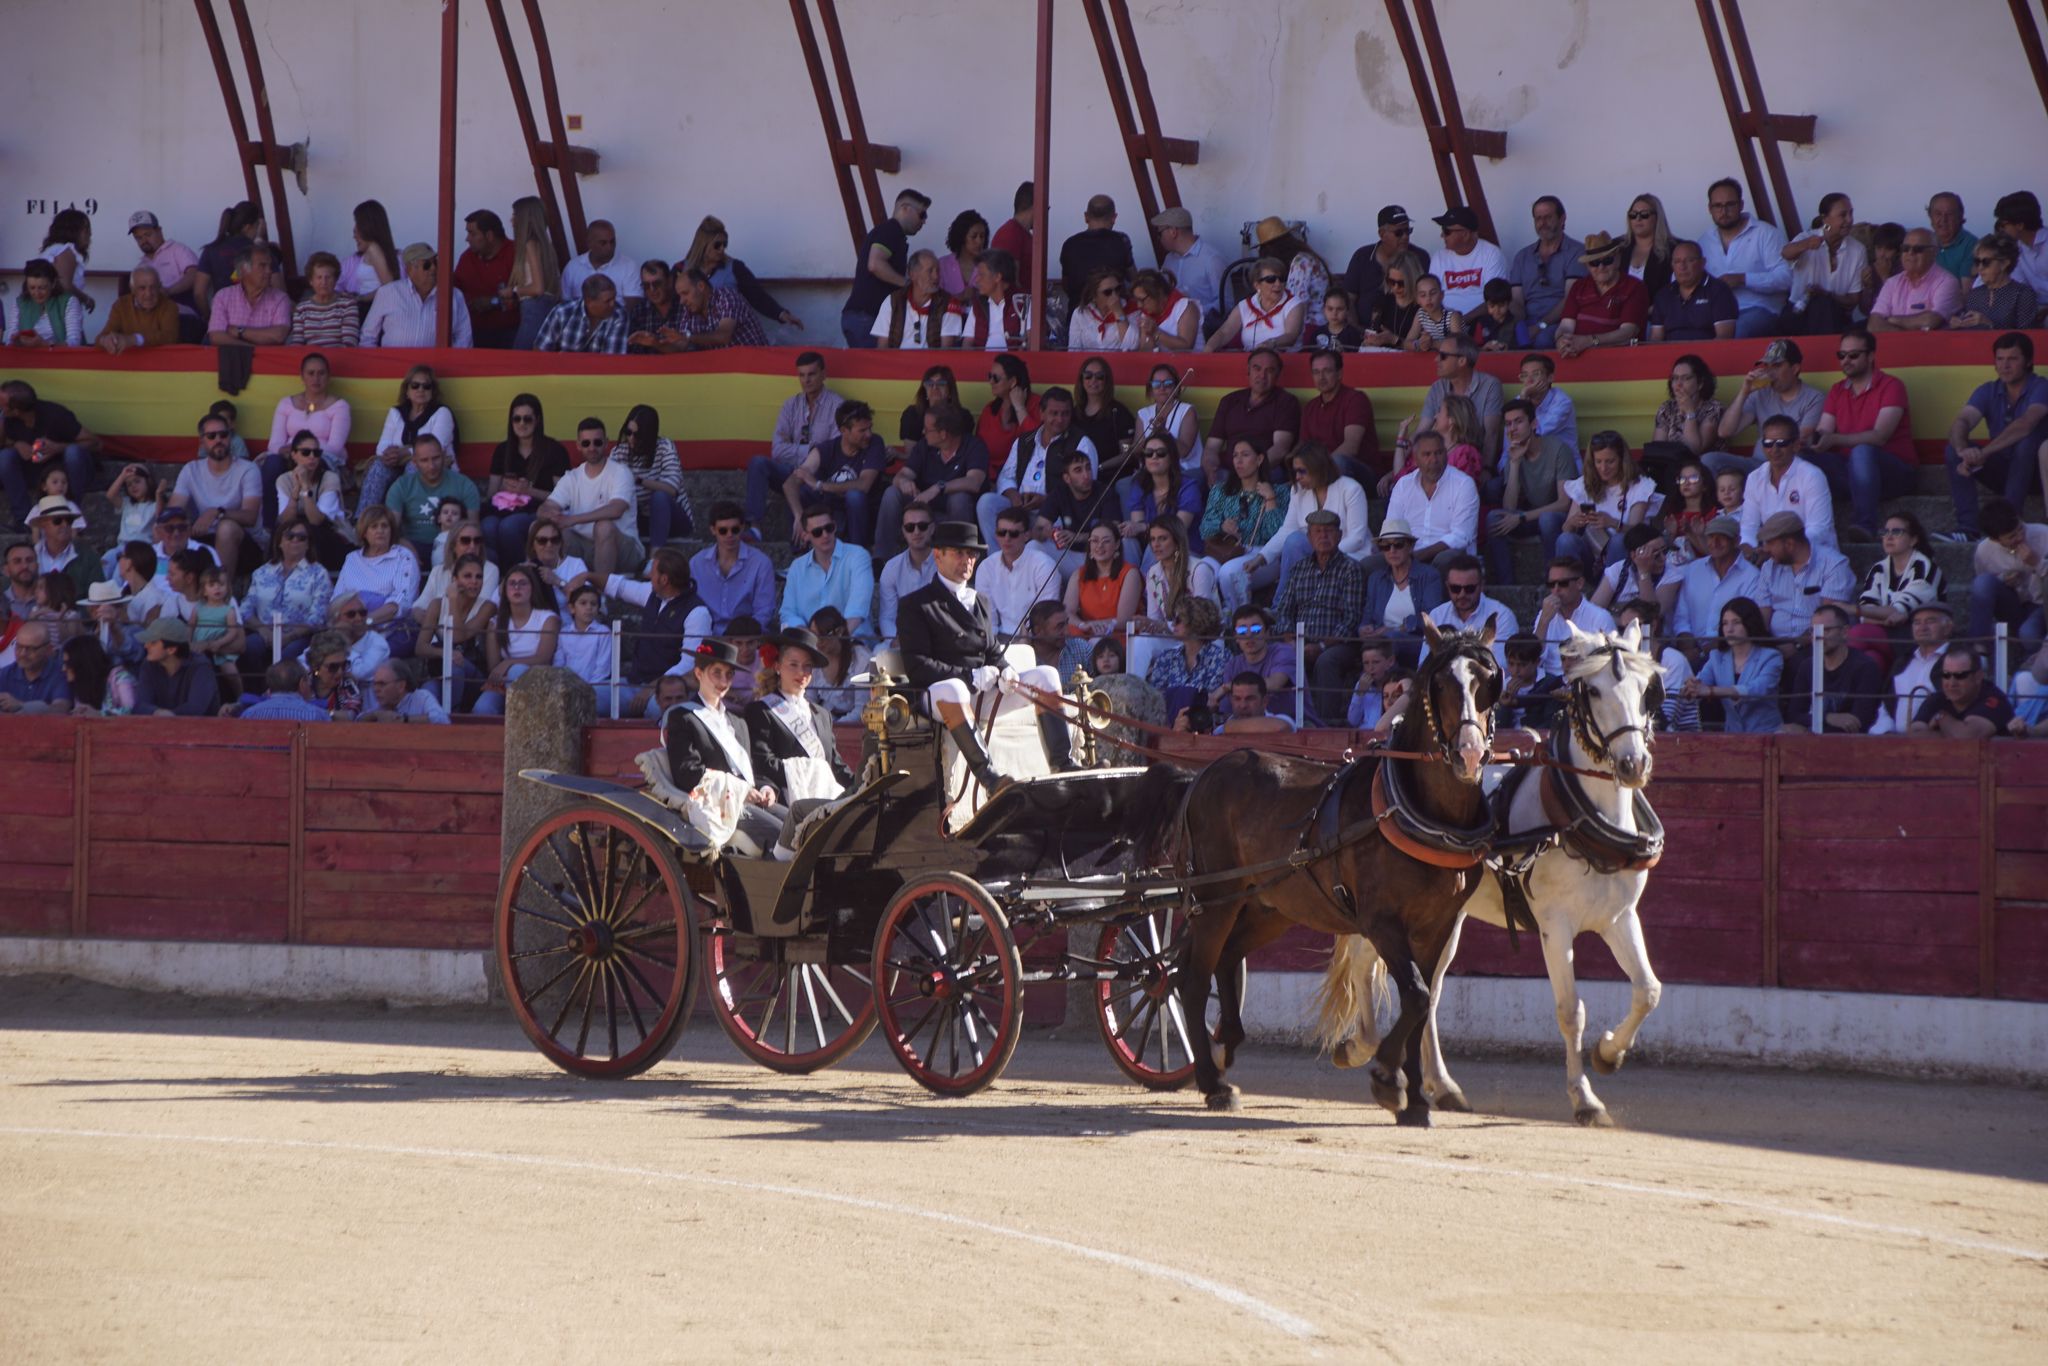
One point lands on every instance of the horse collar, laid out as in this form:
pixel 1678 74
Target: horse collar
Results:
pixel 1421 837
pixel 1588 835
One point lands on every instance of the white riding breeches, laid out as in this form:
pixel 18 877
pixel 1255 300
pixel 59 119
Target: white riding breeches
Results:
pixel 959 692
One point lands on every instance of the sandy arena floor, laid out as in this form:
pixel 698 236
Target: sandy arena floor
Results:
pixel 185 1182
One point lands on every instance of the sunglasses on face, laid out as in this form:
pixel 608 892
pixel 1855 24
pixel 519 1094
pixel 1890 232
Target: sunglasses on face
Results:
pixel 1561 583
pixel 1776 442
pixel 1897 531
pixel 912 528
pixel 1252 628
pixel 297 536
pixel 522 417
pixel 1007 533
pixel 1095 377
pixel 469 540
pixel 305 450
pixel 1638 215
pixel 727 530
pixel 420 385
pixel 215 435
pixel 1849 355
pixel 1397 279
pixel 1951 676
pixel 1402 231
pixel 332 666
pixel 590 443
pixel 1269 279
pixel 822 530
pixel 547 540
pixel 1462 588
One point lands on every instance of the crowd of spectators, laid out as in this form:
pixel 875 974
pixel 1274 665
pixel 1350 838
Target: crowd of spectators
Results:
pixel 1142 532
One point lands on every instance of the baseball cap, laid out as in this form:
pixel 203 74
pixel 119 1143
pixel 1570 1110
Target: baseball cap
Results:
pixel 1775 354
pixel 418 252
pixel 1393 216
pixel 1174 218
pixel 142 219
pixel 173 512
pixel 1458 217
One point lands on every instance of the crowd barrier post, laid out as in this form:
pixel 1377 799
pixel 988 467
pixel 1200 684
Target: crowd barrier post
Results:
pixel 447 658
pixel 276 636
pixel 618 659
pixel 1818 720
pixel 1300 674
pixel 2001 645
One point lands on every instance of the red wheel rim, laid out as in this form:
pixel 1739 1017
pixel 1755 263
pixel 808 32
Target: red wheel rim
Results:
pixel 595 935
pixel 948 988
pixel 792 1017
pixel 1140 1016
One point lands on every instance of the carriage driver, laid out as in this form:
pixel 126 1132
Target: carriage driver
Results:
pixel 949 645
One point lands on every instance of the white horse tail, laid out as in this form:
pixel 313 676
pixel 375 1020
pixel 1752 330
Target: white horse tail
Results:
pixel 1354 997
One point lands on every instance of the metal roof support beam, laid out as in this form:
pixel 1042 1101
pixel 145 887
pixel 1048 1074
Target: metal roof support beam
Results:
pixel 1457 148
pixel 264 150
pixel 2030 42
pixel 550 154
pixel 1152 154
pixel 851 152
pixel 444 218
pixel 1757 130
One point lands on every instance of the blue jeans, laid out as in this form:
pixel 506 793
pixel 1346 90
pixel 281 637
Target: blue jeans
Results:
pixel 855 327
pixel 663 515
pixel 765 476
pixel 1757 322
pixel 505 537
pixel 532 313
pixel 1992 600
pixel 378 478
pixel 2012 471
pixel 15 472
pixel 1580 547
pixel 1865 477
pixel 1500 550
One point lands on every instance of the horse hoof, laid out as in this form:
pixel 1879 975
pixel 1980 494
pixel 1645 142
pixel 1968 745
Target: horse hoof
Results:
pixel 1594 1117
pixel 1453 1101
pixel 1414 1117
pixel 1597 1059
pixel 1349 1054
pixel 1225 1099
pixel 1387 1092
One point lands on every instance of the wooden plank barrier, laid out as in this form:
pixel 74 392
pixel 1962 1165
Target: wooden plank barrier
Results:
pixel 1894 865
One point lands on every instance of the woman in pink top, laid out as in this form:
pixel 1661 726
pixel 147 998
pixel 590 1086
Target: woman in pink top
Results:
pixel 313 409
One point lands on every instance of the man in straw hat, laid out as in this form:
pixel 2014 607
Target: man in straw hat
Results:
pixel 54 523
pixel 1609 306
pixel 950 648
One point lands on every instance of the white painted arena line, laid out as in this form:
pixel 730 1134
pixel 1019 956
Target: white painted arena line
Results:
pixel 1271 1315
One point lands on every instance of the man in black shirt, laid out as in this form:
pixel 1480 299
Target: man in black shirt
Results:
pixel 881 267
pixel 38 433
pixel 945 472
pixel 1852 685
pixel 1966 707
pixel 1098 246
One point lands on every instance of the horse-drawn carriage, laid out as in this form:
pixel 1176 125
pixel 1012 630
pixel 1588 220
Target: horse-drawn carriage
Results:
pixel 900 908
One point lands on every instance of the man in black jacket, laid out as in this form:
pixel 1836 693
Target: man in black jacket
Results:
pixel 947 635
pixel 703 735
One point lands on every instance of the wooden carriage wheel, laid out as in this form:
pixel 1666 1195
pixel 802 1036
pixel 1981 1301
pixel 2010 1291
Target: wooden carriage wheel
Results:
pixel 791 1017
pixel 1139 1013
pixel 596 932
pixel 948 984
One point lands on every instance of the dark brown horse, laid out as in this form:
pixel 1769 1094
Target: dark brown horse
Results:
pixel 1387 848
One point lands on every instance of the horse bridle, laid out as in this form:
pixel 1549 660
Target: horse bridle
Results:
pixel 1599 746
pixel 1445 746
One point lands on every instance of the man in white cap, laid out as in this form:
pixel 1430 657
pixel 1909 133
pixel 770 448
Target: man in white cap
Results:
pixel 1197 267
pixel 402 312
pixel 54 523
pixel 175 263
pixel 950 649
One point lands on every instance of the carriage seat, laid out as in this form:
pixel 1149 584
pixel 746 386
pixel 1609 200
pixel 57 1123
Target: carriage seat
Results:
pixel 653 765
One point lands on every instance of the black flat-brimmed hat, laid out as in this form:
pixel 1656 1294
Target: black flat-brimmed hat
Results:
pixel 716 651
pixel 958 536
pixel 797 638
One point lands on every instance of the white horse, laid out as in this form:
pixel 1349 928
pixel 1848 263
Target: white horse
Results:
pixel 1587 878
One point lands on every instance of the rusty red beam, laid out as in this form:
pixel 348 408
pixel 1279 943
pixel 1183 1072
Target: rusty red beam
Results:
pixel 1126 121
pixel 828 117
pixel 444 285
pixel 849 96
pixel 1455 147
pixel 2030 43
pixel 1152 155
pixel 529 129
pixel 558 131
pixel 1041 173
pixel 261 150
pixel 259 95
pixel 1760 119
pixel 1757 131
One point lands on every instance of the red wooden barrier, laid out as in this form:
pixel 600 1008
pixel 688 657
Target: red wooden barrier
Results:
pixel 1895 865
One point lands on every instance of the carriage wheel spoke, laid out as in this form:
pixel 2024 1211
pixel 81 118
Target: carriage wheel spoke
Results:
pixel 811 998
pixel 588 858
pixel 582 980
pixel 1179 1018
pixel 611 1011
pixel 788 1011
pixel 664 964
pixel 1144 1021
pixel 540 953
pixel 527 874
pixel 589 1004
pixel 620 966
pixel 660 1001
pixel 910 1035
pixel 824 980
pixel 642 931
pixel 647 892
pixel 529 997
pixel 584 910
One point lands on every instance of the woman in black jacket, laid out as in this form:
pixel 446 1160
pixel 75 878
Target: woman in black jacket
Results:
pixel 794 750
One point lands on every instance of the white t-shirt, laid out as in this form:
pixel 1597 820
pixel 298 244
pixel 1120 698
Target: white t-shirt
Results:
pixel 437 585
pixel 919 332
pixel 1257 328
pixel 1614 502
pixel 202 490
pixel 587 654
pixel 581 491
pixel 524 640
pixel 1465 276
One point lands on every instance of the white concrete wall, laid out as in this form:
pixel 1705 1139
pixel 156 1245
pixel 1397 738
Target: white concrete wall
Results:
pixel 1302 108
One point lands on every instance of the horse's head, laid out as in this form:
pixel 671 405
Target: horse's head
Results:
pixel 1455 691
pixel 1617 692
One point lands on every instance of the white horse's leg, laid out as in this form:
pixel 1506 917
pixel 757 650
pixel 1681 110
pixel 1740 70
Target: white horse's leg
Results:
pixel 1625 939
pixel 1443 1092
pixel 1571 1015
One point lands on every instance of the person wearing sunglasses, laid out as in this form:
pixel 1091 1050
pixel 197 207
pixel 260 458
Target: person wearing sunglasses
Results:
pixel 1102 321
pixel 1167 319
pixel 1965 704
pixel 1262 650
pixel 709 252
pixel 1785 483
pixel 1864 440
pixel 1541 272
pixel 466 539
pixel 1466 261
pixel 1748 255
pixel 884 258
pixel 1271 318
pixel 593 505
pixel 1609 307
pixel 1364 278
pixel 1566 605
pixel 1196 266
pixel 310 493
pixel 735 579
pixel 833 574
pixel 1390 314
pixel 1922 296
pixel 1097 247
pixel 1772 388
pixel 1997 299
pixel 419 411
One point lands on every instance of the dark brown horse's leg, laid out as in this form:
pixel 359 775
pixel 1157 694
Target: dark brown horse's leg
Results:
pixel 1390 938
pixel 1257 926
pixel 1210 929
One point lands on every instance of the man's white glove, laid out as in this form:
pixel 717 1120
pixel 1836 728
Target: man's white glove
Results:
pixel 1007 680
pixel 983 676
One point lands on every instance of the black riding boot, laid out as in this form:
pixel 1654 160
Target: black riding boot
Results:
pixel 978 762
pixel 1059 745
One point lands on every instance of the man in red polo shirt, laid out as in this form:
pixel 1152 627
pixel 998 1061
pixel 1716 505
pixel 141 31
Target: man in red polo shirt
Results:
pixel 1608 306
pixel 1262 412
pixel 1339 419
pixel 1863 442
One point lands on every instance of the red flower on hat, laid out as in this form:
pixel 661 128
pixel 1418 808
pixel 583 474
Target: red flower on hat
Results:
pixel 704 648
